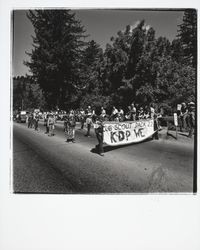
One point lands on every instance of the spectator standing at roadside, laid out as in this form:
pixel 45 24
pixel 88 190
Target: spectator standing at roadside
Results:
pixel 191 118
pixel 183 116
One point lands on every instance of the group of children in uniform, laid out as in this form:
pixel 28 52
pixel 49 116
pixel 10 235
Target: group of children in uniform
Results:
pixel 88 117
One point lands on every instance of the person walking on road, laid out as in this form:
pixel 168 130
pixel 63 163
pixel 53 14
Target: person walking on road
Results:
pixel 30 120
pixel 69 127
pixel 88 120
pixel 46 115
pixel 98 127
pixel 82 118
pixel 51 124
pixel 36 120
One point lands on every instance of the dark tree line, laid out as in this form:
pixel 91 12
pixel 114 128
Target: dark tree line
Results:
pixel 135 66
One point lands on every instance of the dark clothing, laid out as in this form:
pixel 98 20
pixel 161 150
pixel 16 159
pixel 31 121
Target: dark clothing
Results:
pixel 100 145
pixel 155 135
pixel 30 121
pixel 99 135
pixel 191 121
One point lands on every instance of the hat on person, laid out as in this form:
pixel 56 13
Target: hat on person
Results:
pixel 191 103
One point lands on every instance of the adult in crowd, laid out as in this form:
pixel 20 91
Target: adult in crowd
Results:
pixel 88 120
pixel 191 118
pixel 183 116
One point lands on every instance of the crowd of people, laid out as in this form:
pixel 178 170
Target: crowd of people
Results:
pixel 186 115
pixel 90 117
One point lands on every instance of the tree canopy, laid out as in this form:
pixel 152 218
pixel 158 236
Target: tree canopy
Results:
pixel 136 66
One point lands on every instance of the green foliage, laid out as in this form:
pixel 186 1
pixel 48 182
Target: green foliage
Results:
pixel 188 36
pixel 58 49
pixel 27 95
pixel 135 67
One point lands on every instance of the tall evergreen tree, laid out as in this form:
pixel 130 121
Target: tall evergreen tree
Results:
pixel 58 46
pixel 188 36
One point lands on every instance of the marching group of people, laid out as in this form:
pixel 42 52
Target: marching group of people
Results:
pixel 89 118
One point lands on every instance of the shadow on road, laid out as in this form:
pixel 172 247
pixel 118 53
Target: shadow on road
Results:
pixel 111 148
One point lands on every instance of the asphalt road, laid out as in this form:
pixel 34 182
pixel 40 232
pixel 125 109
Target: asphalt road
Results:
pixel 43 164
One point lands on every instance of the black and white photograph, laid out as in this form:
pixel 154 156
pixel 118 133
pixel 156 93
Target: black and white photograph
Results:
pixel 104 101
pixel 99 125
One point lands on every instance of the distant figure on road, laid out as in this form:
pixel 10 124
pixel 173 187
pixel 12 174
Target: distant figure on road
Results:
pixel 30 120
pixel 36 120
pixel 46 115
pixel 82 118
pixel 51 124
pixel 69 127
pixel 88 120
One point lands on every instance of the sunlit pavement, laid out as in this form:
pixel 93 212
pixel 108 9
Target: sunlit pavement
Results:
pixel 50 165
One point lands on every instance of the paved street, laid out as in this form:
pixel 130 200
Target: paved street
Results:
pixel 51 165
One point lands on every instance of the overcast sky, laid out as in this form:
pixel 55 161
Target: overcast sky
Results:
pixel 101 25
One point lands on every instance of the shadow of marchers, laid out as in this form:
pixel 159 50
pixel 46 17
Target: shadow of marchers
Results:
pixel 108 148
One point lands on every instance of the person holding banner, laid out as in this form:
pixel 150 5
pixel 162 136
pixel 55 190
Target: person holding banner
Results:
pixel 98 127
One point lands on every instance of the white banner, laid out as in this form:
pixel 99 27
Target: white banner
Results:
pixel 120 133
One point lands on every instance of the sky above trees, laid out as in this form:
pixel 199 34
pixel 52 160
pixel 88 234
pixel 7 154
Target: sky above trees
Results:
pixel 100 25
